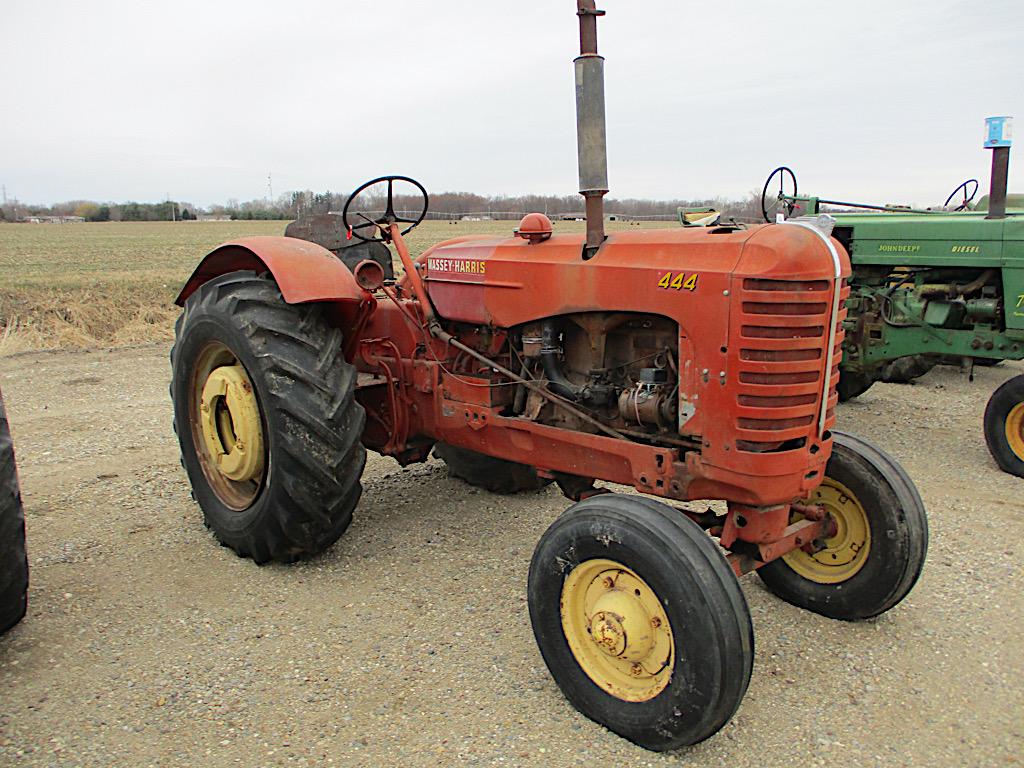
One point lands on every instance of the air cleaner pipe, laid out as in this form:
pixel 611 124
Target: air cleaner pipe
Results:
pixel 591 140
pixel 557 381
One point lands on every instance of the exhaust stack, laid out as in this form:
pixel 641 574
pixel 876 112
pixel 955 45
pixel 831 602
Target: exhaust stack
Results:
pixel 998 133
pixel 591 142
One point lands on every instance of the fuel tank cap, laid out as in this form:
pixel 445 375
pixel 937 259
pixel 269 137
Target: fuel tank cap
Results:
pixel 535 227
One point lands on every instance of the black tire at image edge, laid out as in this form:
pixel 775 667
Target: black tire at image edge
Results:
pixel 1009 395
pixel 13 557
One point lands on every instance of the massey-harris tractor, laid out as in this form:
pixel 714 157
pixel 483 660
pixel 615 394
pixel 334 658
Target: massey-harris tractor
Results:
pixel 686 364
pixel 932 286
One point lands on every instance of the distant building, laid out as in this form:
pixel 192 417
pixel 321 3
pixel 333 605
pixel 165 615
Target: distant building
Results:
pixel 53 219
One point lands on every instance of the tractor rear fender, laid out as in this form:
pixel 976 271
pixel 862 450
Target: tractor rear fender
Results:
pixel 304 271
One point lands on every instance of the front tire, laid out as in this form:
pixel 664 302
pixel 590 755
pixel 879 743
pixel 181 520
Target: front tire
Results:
pixel 266 416
pixel 13 559
pixel 641 621
pixel 1004 426
pixel 879 548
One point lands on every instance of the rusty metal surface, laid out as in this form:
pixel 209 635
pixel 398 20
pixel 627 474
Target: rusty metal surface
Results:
pixel 303 271
pixel 737 354
pixel 486 284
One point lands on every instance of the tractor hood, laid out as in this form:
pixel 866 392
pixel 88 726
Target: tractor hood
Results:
pixel 925 239
pixel 505 282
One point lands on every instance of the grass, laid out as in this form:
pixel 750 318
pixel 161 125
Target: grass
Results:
pixel 92 285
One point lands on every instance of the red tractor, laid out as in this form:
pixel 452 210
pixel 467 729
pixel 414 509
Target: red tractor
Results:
pixel 696 363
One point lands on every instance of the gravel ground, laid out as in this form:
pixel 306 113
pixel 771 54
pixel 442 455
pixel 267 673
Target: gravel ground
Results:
pixel 408 643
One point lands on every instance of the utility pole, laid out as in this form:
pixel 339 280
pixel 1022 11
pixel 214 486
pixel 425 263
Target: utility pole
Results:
pixel 5 195
pixel 270 189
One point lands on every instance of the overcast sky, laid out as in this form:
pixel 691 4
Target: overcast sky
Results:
pixel 873 101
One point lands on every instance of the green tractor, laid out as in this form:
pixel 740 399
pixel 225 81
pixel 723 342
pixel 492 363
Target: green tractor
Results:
pixel 931 286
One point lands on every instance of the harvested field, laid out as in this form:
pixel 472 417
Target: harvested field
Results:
pixel 94 285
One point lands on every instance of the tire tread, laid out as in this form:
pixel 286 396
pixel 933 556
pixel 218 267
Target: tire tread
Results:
pixel 310 387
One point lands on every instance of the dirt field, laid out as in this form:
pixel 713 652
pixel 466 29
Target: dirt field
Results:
pixel 408 643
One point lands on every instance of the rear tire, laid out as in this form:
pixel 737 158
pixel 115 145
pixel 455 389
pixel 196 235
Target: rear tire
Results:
pixel 659 694
pixel 13 559
pixel 904 370
pixel 1004 426
pixel 876 556
pixel 297 499
pixel 852 384
pixel 488 472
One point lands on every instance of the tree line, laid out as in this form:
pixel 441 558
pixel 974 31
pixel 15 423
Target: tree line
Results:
pixel 294 205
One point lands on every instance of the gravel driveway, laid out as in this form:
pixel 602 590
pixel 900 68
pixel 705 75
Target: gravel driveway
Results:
pixel 409 643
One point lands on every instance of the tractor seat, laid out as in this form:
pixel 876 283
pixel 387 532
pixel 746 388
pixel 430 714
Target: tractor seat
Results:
pixel 328 231
pixel 698 217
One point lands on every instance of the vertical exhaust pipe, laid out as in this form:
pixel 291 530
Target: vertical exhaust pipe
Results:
pixel 998 132
pixel 591 142
pixel 998 182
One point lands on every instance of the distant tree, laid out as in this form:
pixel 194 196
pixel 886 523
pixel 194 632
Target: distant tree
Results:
pixel 88 211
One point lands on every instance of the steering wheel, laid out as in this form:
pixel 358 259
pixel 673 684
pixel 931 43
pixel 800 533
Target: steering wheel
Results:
pixel 967 198
pixel 389 216
pixel 771 204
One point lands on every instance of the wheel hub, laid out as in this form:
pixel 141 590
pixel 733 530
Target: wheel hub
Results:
pixel 231 426
pixel 617 629
pixel 845 552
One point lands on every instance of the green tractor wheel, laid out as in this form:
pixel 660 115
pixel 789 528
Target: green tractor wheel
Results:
pixel 1004 426
pixel 13 560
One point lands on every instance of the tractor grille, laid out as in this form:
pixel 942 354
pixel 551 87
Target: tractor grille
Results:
pixel 783 334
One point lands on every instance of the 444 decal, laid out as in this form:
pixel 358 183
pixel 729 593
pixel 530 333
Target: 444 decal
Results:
pixel 679 281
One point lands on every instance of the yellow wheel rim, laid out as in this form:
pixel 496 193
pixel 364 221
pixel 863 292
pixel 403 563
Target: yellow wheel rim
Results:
pixel 846 552
pixel 1015 430
pixel 618 630
pixel 230 418
pixel 227 428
